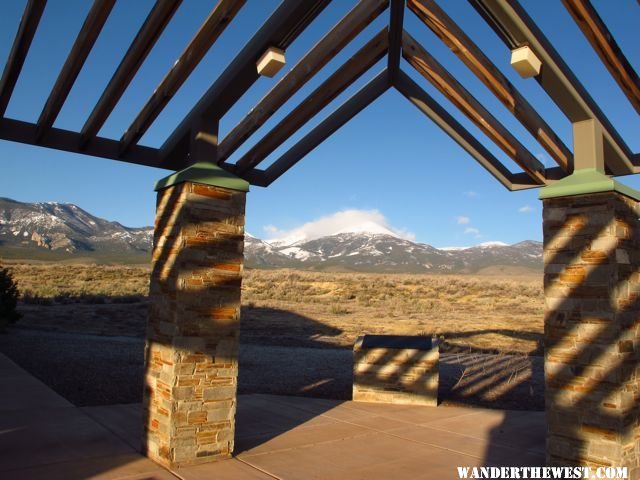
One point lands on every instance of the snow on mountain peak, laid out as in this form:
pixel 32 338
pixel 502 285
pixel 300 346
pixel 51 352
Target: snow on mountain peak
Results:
pixel 362 228
pixel 345 221
pixel 480 245
pixel 369 227
pixel 493 244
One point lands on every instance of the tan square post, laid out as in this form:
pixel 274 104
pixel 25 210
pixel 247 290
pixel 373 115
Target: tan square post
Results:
pixel 193 326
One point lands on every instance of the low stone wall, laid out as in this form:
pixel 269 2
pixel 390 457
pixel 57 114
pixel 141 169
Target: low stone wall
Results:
pixel 394 369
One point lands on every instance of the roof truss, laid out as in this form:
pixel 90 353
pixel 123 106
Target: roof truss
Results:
pixel 185 145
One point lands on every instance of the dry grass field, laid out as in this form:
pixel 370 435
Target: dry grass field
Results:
pixel 285 307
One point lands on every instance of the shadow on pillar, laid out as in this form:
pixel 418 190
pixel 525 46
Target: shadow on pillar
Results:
pixel 592 291
pixel 193 327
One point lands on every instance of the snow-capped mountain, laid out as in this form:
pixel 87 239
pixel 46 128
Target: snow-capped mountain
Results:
pixel 301 236
pixel 364 250
pixel 64 228
pixel 55 230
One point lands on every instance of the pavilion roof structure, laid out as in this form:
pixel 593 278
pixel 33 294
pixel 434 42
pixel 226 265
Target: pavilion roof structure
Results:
pixel 506 17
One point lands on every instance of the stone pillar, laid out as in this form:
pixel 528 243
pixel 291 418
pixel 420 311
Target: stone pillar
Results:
pixel 592 348
pixel 193 326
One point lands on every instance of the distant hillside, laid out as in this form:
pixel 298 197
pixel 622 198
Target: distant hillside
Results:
pixel 55 231
pixel 376 252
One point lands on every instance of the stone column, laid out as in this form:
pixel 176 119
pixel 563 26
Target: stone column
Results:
pixel 592 349
pixel 193 326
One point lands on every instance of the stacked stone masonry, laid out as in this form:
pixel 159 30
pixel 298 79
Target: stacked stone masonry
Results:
pixel 193 326
pixel 395 375
pixel 592 291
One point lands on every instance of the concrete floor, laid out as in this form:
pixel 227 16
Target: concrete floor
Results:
pixel 42 436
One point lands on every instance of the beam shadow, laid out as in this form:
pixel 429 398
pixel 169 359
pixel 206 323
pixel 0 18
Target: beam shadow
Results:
pixel 596 313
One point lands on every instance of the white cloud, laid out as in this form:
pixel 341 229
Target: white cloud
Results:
pixel 270 229
pixel 525 209
pixel 470 230
pixel 351 220
pixel 470 194
pixel 463 220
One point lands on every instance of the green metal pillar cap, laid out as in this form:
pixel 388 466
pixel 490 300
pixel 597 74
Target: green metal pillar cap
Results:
pixel 585 181
pixel 207 174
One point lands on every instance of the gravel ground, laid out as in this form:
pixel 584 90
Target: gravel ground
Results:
pixel 102 370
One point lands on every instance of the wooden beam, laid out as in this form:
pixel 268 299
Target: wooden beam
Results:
pixel 433 71
pixel 348 73
pixel 282 28
pixel 255 177
pixel 427 105
pixel 598 35
pixel 349 109
pixel 91 28
pixel 327 48
pixel 522 181
pixel 146 38
pixel 473 57
pixel 211 29
pixel 19 49
pixel 65 140
pixel 396 21
pixel 515 29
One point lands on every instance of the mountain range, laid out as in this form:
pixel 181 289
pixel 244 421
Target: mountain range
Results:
pixel 55 231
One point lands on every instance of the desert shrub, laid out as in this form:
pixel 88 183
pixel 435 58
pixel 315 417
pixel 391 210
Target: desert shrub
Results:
pixel 29 298
pixel 8 299
pixel 128 299
pixel 337 309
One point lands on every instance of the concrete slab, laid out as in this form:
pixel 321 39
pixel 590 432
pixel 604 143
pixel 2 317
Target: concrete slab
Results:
pixel 8 367
pixel 118 467
pixel 488 454
pixel 232 469
pixel 277 437
pixel 427 415
pixel 124 421
pixel 300 437
pixel 32 438
pixel 511 428
pixel 26 391
pixel 348 458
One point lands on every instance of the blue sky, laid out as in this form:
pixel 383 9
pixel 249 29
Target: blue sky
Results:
pixel 390 162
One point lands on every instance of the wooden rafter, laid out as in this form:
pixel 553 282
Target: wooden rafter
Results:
pixel 521 180
pixel 514 27
pixel 606 47
pixel 349 109
pixel 432 109
pixel 91 28
pixel 65 140
pixel 19 49
pixel 430 69
pixel 206 36
pixel 255 177
pixel 147 36
pixel 282 28
pixel 348 73
pixel 328 47
pixel 471 55
pixel 185 145
pixel 396 20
